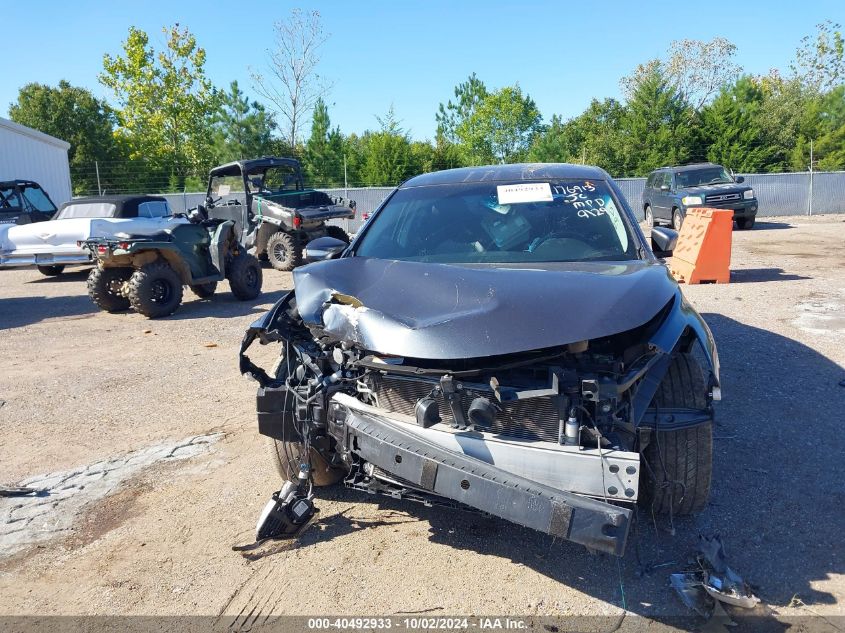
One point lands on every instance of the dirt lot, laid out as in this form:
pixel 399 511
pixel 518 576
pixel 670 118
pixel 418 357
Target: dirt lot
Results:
pixel 151 420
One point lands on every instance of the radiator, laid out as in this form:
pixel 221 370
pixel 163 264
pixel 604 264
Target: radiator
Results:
pixel 533 419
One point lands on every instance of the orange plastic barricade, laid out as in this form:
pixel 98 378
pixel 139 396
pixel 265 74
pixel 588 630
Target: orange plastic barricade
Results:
pixel 703 251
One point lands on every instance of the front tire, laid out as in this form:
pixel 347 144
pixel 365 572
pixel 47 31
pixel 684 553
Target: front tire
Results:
pixel 51 271
pixel 745 224
pixel 285 460
pixel 649 217
pixel 337 233
pixel 155 290
pixel 283 252
pixel 677 219
pixel 245 277
pixel 105 287
pixel 205 291
pixel 679 463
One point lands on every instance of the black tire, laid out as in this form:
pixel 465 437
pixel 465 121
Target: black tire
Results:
pixel 51 271
pixel 337 233
pixel 283 252
pixel 284 459
pixel 284 455
pixel 679 464
pixel 155 290
pixel 677 219
pixel 205 291
pixel 649 217
pixel 745 224
pixel 245 277
pixel 105 287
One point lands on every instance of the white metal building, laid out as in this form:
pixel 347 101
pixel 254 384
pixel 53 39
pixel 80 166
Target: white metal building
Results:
pixel 27 154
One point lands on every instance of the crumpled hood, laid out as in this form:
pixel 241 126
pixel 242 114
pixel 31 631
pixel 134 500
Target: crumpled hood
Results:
pixel 439 311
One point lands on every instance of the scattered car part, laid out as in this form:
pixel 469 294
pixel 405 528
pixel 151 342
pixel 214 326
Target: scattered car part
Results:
pixel 17 491
pixel 429 360
pixel 711 580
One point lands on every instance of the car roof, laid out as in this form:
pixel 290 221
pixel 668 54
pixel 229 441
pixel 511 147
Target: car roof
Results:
pixel 235 168
pixel 510 172
pixel 690 167
pixel 19 183
pixel 127 202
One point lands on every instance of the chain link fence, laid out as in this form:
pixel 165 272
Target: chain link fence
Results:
pixel 778 195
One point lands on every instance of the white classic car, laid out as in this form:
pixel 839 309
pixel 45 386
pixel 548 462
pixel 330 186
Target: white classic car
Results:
pixel 52 245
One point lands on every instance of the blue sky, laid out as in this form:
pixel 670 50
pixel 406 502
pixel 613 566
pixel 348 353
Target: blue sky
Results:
pixel 411 54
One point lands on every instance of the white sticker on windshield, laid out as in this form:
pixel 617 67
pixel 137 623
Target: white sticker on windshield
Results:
pixel 524 192
pixel 223 190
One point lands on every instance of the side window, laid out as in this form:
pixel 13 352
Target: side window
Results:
pixel 649 181
pixel 153 209
pixel 666 181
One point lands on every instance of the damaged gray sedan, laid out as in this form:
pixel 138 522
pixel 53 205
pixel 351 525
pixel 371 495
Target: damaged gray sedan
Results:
pixel 496 338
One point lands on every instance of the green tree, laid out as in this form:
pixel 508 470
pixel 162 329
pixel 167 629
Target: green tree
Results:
pixel 501 128
pixel 733 130
pixel 830 148
pixel 323 155
pixel 820 61
pixel 593 137
pixel 450 116
pixel 73 114
pixel 697 70
pixel 387 153
pixel 242 129
pixel 166 103
pixel 657 125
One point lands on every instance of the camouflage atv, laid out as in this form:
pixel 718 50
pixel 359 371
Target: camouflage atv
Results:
pixel 148 272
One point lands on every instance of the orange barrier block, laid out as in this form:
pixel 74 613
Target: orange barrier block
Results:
pixel 703 251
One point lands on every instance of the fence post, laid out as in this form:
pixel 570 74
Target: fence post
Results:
pixel 810 196
pixel 99 188
pixel 346 192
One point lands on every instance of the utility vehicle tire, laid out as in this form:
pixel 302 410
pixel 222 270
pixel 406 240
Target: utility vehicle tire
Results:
pixel 245 277
pixel 283 252
pixel 105 287
pixel 205 291
pixel 51 271
pixel 337 233
pixel 745 224
pixel 679 463
pixel 677 219
pixel 155 290
pixel 649 217
pixel 284 457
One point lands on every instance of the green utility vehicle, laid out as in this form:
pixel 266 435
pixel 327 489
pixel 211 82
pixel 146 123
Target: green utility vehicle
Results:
pixel 267 199
pixel 148 272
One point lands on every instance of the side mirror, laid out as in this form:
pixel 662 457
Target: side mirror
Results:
pixel 739 179
pixel 323 248
pixel 663 241
pixel 664 187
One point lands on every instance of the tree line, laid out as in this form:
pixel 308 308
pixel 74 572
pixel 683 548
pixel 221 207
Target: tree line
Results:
pixel 166 124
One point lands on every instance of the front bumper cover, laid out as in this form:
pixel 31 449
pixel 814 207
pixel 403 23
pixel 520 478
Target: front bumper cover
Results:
pixel 478 484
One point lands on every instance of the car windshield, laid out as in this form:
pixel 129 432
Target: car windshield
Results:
pixel 708 176
pixel 490 222
pixel 38 200
pixel 273 180
pixel 87 210
pixel 9 198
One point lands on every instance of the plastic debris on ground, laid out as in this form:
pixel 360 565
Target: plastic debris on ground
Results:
pixel 709 582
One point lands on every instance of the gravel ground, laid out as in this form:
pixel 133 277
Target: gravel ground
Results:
pixel 80 386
